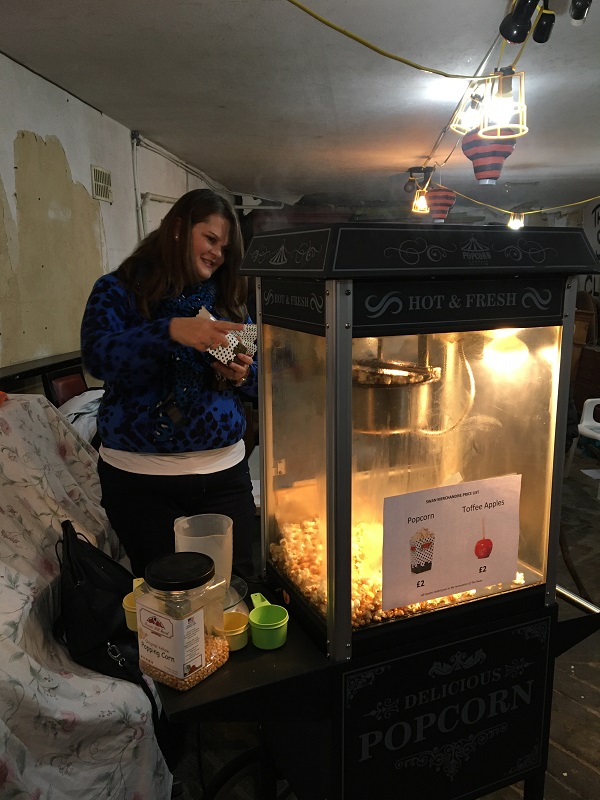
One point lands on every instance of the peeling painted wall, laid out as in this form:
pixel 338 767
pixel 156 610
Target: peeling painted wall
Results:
pixel 8 264
pixel 57 233
pixel 56 239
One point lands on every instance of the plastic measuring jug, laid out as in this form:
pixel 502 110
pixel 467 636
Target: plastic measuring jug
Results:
pixel 211 534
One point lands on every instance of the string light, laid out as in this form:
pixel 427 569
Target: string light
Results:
pixel 527 213
pixel 467 116
pixel 503 105
pixel 516 222
pixel 419 205
pixel 521 14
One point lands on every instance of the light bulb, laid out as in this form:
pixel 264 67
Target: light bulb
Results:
pixel 471 115
pixel 516 222
pixel 504 110
pixel 410 185
pixel 420 203
pixel 501 104
pixel 505 356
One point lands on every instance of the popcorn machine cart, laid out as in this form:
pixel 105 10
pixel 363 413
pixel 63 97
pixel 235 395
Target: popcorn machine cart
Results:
pixel 414 389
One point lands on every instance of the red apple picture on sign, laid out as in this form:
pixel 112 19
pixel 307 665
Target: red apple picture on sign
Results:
pixel 484 546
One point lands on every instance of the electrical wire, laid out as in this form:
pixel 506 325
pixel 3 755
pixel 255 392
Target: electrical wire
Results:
pixel 531 30
pixel 524 213
pixel 374 47
pixel 478 74
pixel 557 208
pixel 407 62
pixel 433 71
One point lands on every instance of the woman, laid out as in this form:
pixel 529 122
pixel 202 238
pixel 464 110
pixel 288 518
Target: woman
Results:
pixel 171 420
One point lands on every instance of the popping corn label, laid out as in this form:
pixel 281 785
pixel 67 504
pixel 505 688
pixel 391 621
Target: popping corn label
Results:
pixel 174 646
pixel 448 540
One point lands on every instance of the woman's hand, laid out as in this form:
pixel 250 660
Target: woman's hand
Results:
pixel 236 371
pixel 202 334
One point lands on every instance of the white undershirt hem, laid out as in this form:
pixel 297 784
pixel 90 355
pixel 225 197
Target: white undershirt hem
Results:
pixel 200 462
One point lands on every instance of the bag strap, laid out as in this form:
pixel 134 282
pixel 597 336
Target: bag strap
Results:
pixel 136 676
pixel 160 732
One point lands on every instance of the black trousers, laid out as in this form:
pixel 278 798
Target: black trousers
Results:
pixel 142 510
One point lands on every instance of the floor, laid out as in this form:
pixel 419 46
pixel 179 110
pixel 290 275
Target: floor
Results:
pixel 574 756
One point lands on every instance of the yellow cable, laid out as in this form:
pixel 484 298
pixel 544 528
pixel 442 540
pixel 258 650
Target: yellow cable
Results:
pixel 413 64
pixel 537 211
pixel 531 30
pixel 373 47
pixel 557 208
pixel 500 53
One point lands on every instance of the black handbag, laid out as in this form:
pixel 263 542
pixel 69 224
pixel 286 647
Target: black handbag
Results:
pixel 91 621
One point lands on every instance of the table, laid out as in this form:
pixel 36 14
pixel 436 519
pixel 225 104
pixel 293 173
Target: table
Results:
pixel 336 731
pixel 244 688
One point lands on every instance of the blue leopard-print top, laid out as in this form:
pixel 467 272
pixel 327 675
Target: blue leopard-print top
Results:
pixel 144 370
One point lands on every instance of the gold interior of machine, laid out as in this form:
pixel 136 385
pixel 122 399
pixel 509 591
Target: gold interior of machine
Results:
pixel 428 410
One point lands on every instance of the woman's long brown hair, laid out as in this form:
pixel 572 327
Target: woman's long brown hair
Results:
pixel 162 265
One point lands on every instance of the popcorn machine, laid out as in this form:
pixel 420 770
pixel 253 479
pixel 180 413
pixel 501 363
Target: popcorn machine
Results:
pixel 414 389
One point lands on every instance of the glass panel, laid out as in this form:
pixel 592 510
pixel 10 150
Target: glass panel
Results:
pixel 434 410
pixel 294 442
pixel 428 410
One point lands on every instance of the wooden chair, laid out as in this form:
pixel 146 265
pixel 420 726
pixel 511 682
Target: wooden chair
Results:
pixel 62 384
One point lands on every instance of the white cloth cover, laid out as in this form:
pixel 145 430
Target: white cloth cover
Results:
pixel 82 411
pixel 65 731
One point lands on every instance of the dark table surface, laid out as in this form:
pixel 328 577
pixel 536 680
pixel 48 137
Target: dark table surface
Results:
pixel 250 679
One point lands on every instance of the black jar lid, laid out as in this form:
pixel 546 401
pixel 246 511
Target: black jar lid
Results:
pixel 179 571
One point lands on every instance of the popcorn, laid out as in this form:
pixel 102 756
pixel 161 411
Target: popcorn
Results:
pixel 299 555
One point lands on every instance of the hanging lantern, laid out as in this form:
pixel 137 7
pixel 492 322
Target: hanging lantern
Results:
pixel 488 155
pixel 503 106
pixel 468 112
pixel 492 104
pixel 516 222
pixel 420 205
pixel 440 200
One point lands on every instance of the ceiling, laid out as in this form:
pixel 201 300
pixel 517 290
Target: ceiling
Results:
pixel 271 102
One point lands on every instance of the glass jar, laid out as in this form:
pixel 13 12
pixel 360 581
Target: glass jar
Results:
pixel 180 619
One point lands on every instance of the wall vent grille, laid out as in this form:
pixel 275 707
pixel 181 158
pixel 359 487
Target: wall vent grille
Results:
pixel 101 184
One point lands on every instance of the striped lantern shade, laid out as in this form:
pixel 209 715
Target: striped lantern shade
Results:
pixel 488 155
pixel 440 200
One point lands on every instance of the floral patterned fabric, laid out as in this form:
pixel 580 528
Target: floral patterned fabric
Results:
pixel 65 732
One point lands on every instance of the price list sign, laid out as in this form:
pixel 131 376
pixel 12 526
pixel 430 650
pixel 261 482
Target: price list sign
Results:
pixel 450 539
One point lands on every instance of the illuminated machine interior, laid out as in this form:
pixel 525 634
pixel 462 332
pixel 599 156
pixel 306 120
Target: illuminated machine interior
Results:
pixel 414 388
pixel 428 410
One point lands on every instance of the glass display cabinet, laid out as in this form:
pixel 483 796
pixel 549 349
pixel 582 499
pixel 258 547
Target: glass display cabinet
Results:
pixel 414 386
